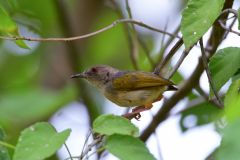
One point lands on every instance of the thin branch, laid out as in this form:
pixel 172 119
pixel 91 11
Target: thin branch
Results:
pixel 7 145
pixel 162 64
pixel 97 151
pixel 90 146
pixel 167 44
pixel 141 42
pixel 180 61
pixel 90 34
pixel 133 40
pixel 86 140
pixel 229 10
pixel 69 153
pixel 228 29
pixel 206 97
pixel 205 64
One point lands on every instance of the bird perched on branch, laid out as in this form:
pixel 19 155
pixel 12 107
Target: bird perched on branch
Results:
pixel 128 88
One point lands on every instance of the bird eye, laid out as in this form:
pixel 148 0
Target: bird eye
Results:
pixel 94 70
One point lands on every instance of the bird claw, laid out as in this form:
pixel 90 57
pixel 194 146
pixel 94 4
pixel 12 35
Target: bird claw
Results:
pixel 132 115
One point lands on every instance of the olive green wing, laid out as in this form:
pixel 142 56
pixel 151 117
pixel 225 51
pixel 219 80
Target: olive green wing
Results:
pixel 137 80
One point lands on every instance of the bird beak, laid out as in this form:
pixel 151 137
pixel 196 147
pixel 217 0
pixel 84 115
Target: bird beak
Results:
pixel 80 75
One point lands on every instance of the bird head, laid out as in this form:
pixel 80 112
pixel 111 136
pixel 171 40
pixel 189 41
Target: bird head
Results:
pixel 98 75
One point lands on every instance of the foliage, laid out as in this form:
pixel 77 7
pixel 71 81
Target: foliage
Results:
pixel 35 82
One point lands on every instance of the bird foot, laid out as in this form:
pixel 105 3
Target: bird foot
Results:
pixel 136 112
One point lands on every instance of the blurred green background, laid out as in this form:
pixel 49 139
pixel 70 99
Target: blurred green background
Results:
pixel 35 82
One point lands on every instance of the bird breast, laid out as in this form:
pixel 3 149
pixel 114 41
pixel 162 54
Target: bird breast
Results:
pixel 133 97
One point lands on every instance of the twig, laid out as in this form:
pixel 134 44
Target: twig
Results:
pixel 205 96
pixel 90 146
pixel 205 64
pixel 69 153
pixel 132 39
pixel 180 61
pixel 228 29
pixel 7 145
pixel 229 10
pixel 90 34
pixel 167 44
pixel 97 151
pixel 160 66
pixel 86 140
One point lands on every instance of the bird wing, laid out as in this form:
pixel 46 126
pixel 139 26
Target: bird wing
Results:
pixel 138 79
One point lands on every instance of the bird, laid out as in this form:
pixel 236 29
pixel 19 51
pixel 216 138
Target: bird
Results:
pixel 128 88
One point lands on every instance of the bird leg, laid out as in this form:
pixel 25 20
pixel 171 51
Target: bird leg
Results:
pixel 136 111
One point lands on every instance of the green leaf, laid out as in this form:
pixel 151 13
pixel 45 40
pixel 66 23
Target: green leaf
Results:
pixel 110 124
pixel 204 113
pixel 232 101
pixel 230 145
pixel 39 141
pixel 26 106
pixel 197 18
pixel 22 44
pixel 4 155
pixel 223 65
pixel 9 27
pixel 126 147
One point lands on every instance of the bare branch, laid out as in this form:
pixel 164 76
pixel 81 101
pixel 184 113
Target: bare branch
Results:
pixel 228 29
pixel 90 34
pixel 205 64
pixel 168 57
pixel 180 61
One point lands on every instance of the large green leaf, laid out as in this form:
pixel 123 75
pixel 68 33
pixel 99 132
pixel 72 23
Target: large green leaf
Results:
pixel 230 145
pixel 223 65
pixel 203 112
pixel 110 124
pixel 39 141
pixel 23 107
pixel 197 18
pixel 232 101
pixel 9 27
pixel 4 155
pixel 128 148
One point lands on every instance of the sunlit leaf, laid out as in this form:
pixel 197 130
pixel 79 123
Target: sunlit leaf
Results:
pixel 9 27
pixel 230 145
pixel 110 124
pixel 232 101
pixel 39 141
pixel 223 65
pixel 128 148
pixel 197 18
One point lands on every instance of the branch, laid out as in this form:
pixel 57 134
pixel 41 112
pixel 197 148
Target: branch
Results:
pixel 205 64
pixel 228 29
pixel 90 34
pixel 180 61
pixel 212 44
pixel 162 114
pixel 174 49
pixel 132 39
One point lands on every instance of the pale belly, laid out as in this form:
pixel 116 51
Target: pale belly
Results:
pixel 134 98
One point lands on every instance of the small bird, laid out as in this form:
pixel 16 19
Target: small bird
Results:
pixel 127 88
